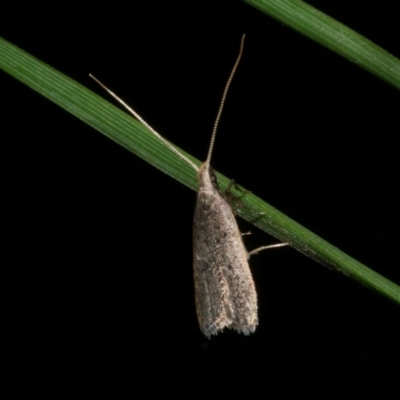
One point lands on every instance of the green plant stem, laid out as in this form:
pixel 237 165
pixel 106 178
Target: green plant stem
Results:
pixel 123 129
pixel 337 37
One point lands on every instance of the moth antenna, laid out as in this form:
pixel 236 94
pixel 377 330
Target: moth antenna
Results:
pixel 221 106
pixel 153 131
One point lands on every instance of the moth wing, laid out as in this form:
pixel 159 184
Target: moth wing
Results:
pixel 224 287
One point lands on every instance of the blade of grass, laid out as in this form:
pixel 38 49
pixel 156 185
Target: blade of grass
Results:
pixel 337 37
pixel 123 129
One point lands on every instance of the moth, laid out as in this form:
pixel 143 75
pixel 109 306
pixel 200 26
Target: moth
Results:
pixel 225 293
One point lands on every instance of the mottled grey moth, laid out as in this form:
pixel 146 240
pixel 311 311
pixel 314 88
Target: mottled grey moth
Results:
pixel 224 288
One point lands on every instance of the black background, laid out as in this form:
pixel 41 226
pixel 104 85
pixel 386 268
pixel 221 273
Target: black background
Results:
pixel 96 259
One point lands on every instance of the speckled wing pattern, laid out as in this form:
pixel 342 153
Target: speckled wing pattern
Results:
pixel 224 287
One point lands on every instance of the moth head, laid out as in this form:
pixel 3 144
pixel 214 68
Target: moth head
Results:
pixel 206 177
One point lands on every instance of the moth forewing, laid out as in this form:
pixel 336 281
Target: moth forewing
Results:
pixel 224 287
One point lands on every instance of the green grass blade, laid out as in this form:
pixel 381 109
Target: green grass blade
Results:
pixel 92 109
pixel 325 30
pixel 126 131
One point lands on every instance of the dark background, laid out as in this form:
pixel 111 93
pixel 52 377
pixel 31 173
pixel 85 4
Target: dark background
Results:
pixel 97 277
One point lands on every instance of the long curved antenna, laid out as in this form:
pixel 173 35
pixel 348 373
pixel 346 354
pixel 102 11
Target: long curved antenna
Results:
pixel 153 131
pixel 228 83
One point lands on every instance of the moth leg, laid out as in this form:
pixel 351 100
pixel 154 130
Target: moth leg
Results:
pixel 271 246
pixel 228 190
pixel 234 201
